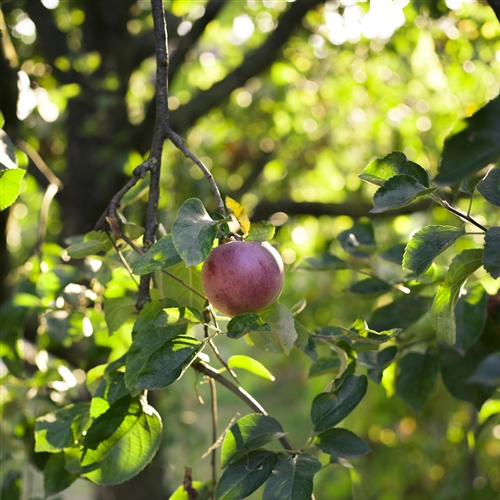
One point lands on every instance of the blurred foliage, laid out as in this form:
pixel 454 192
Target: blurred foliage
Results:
pixel 344 92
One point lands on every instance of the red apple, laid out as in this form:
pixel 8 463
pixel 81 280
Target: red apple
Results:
pixel 242 276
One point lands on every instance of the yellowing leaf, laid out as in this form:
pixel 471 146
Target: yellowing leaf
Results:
pixel 239 213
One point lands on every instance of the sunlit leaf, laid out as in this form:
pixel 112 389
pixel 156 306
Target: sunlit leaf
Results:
pixel 177 316
pixel 474 147
pixel 250 365
pixel 426 244
pixel 382 169
pixel 248 434
pixel 260 231
pixel 62 428
pixel 240 214
pixel 361 333
pixel 121 442
pixel 292 477
pixel 117 311
pixel 443 306
pixel 193 232
pixel 161 255
pixel 10 186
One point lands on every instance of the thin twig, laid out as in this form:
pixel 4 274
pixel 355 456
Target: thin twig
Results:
pixel 215 419
pixel 211 372
pixel 55 185
pixel 458 213
pixel 178 142
pixel 39 163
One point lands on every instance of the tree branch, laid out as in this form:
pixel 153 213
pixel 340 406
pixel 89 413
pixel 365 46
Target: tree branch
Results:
pixel 354 209
pixel 255 62
pixel 240 392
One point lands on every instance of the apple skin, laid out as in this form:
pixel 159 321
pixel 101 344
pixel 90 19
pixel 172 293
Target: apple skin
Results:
pixel 242 276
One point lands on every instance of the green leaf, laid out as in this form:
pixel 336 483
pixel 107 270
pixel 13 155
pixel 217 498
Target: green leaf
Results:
pixel 470 317
pixel 456 370
pixel 112 388
pixel 394 254
pixel 117 311
pixel 10 186
pixel 178 316
pixel 426 244
pixel 341 443
pixel 243 477
pixel 369 287
pixel 261 231
pixel 240 214
pixel 489 187
pixel 487 372
pixel 2 120
pixel 292 478
pixel 400 313
pixel 491 255
pixel 281 322
pixel 417 377
pixel 250 365
pixel 245 323
pixel 398 191
pixel 475 146
pixel 164 366
pixel 377 361
pixel 61 429
pixel 443 306
pixel 359 332
pixel 305 342
pixel 330 408
pixel 321 262
pixel 203 489
pixel 93 243
pixel 382 169
pixel 156 357
pixel 248 434
pixel 359 240
pixel 55 477
pixel 11 486
pixel 7 153
pixel 325 365
pixel 193 232
pixel 161 255
pixel 121 442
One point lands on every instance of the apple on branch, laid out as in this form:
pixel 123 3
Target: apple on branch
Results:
pixel 242 276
